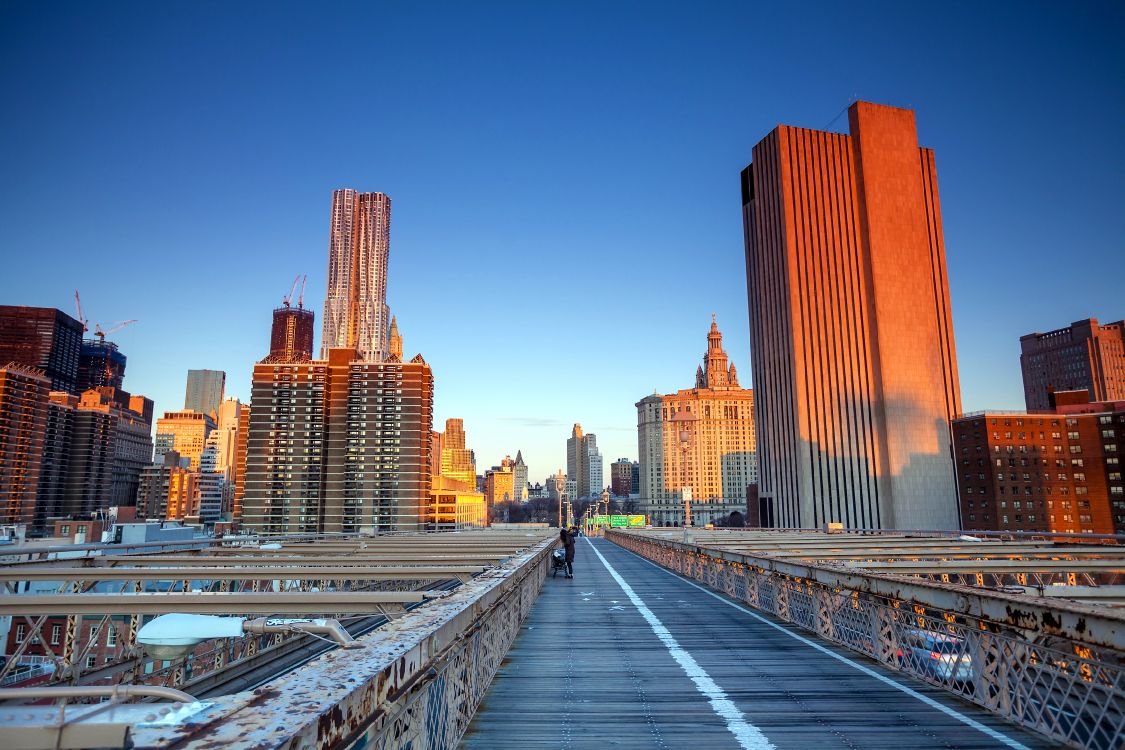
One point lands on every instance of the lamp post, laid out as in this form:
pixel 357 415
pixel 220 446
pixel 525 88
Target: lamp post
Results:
pixel 684 420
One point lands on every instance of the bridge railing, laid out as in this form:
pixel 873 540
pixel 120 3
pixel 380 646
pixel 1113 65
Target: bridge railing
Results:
pixel 416 683
pixel 1055 667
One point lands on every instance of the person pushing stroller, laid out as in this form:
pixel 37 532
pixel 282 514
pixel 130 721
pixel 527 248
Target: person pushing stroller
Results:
pixel 566 539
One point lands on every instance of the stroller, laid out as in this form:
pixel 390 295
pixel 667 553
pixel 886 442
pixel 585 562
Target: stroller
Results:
pixel 558 562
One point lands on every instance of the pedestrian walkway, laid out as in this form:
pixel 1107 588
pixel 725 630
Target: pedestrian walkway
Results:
pixel 629 655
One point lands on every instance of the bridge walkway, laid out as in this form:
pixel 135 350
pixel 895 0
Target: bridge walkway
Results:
pixel 629 655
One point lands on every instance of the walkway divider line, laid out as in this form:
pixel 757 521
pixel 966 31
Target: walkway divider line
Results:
pixel 994 734
pixel 749 736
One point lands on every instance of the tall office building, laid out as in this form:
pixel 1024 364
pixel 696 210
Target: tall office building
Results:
pixel 455 459
pixel 339 445
pixel 184 432
pixel 93 448
pixel 58 435
pixel 455 502
pixel 44 338
pixel 519 478
pixel 23 416
pixel 356 315
pixel 499 485
pixel 291 337
pixel 1085 355
pixel 204 391
pixel 594 475
pixel 240 462
pixel 583 462
pixel 621 477
pixel 850 326
pixel 100 364
pixel 698 439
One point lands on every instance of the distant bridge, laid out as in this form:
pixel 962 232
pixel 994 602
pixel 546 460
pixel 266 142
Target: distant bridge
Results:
pixel 726 638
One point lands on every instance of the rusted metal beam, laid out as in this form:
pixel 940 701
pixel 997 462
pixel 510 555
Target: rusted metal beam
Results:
pixel 240 573
pixel 263 603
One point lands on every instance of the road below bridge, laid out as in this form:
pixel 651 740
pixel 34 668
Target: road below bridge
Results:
pixel 630 655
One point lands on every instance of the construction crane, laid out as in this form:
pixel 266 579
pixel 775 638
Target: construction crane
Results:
pixel 285 300
pixel 116 327
pixel 301 297
pixel 78 305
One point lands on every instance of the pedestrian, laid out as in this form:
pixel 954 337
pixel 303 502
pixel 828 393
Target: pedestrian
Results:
pixel 566 539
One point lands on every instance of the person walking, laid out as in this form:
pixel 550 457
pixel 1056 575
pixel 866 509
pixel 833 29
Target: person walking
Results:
pixel 566 539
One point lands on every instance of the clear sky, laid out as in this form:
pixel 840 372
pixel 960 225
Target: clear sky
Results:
pixel 564 175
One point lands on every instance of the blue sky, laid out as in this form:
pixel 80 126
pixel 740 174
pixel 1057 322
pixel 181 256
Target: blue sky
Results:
pixel 564 176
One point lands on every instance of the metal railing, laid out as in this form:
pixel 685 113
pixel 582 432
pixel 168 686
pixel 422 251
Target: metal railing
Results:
pixel 417 683
pixel 1056 668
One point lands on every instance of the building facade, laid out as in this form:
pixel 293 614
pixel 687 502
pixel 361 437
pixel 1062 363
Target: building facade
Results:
pixel 455 502
pixel 519 478
pixel 1084 356
pixel 1057 470
pixel 499 485
pixel 291 336
pixel 584 463
pixel 356 315
pixel 100 364
pixel 621 477
pixel 23 419
pixel 339 445
pixel 698 441
pixel 850 326
pixel 184 432
pixel 204 391
pixel 44 338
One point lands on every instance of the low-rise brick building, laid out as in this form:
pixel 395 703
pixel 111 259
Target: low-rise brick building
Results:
pixel 1057 470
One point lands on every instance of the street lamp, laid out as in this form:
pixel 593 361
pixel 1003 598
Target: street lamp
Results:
pixel 684 420
pixel 175 635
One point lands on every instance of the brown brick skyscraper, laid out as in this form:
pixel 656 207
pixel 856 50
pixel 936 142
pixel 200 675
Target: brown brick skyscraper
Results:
pixel 1085 355
pixel 850 328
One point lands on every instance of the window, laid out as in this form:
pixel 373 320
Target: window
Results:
pixel 21 633
pixel 91 661
pixel 64 530
pixel 111 637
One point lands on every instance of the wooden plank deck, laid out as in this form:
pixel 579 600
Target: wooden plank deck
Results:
pixel 589 671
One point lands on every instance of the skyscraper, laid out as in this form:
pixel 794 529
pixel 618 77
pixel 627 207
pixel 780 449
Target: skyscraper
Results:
pixel 356 315
pixel 291 337
pixel 339 445
pixel 850 326
pixel 44 338
pixel 519 474
pixel 1085 355
pixel 579 448
pixel 205 391
pixel 23 416
pixel 100 364
pixel 184 432
pixel 621 477
pixel 700 438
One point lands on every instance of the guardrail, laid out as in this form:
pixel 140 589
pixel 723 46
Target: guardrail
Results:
pixel 416 684
pixel 1054 667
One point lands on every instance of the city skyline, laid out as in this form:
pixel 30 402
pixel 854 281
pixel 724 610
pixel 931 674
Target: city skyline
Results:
pixel 1006 236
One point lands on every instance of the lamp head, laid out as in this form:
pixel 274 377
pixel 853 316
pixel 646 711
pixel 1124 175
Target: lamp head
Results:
pixel 175 635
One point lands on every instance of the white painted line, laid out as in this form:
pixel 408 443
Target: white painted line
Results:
pixel 749 736
pixel 998 736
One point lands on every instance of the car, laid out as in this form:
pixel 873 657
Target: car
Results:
pixel 939 656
